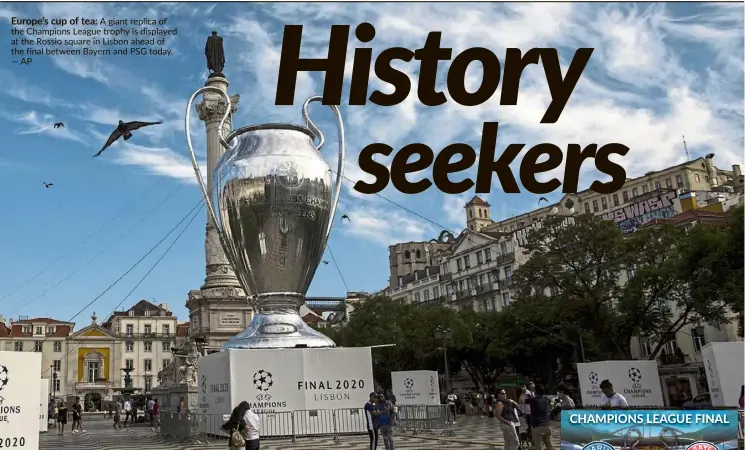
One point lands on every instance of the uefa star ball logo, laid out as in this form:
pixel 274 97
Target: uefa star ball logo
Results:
pixel 593 378
pixel 3 377
pixel 263 380
pixel 635 375
pixel 409 384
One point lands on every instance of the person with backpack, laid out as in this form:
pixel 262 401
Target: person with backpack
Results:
pixel 243 428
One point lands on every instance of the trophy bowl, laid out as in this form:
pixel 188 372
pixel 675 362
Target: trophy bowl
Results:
pixel 273 201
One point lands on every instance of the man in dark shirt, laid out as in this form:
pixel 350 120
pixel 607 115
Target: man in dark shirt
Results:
pixel 540 407
pixel 371 419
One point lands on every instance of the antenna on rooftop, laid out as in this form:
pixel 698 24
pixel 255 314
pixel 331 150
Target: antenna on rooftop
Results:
pixel 685 146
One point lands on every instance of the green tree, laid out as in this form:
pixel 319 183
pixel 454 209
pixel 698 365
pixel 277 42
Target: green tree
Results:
pixel 484 358
pixel 661 298
pixel 381 320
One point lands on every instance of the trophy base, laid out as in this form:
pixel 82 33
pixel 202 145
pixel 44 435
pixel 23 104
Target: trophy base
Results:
pixel 278 330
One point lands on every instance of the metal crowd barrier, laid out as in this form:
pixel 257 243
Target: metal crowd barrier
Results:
pixel 203 429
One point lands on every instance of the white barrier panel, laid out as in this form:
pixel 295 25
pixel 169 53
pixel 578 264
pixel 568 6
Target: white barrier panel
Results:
pixel 724 362
pixel 20 374
pixel 638 381
pixel 416 387
pixel 276 382
pixel 44 406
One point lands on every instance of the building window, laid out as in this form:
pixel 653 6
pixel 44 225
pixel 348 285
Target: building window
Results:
pixel 148 313
pixel 487 254
pixel 587 208
pixel 679 180
pixel 129 363
pixel 615 199
pixel 57 346
pixel 166 330
pixel 56 384
pixel 148 365
pixel 604 203
pixel 435 292
pixel 482 279
pixel 699 340
pixel 459 264
pixel 27 329
pixel 130 330
pixel 407 255
pixel 131 312
pixel 148 346
pixel 38 346
pixel 508 274
pixel 479 257
pixel 39 330
pixel 57 365
pixel 625 195
pixel 18 346
pixel 461 287
pixel 503 248
pixel 166 362
pixel 129 346
pixel 467 261
pixel 634 192
pixel 506 299
pixel 493 302
pixel 657 185
pixel 166 346
pixel 644 348
pixel 595 206
pixel 417 297
pixel 418 254
pixel 93 371
pixel 697 178
pixel 670 347
pixel 148 330
pixel 645 189
pixel 148 384
pixel 668 183
pixel 426 295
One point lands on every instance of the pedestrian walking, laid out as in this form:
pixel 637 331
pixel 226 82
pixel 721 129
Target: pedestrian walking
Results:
pixel 506 414
pixel 451 399
pixel 61 418
pixel 540 419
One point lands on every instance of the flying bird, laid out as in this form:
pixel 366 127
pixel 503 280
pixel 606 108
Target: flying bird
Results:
pixel 58 124
pixel 345 217
pixel 543 199
pixel 325 262
pixel 47 185
pixel 125 129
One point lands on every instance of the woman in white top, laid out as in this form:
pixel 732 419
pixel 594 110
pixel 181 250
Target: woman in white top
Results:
pixel 253 425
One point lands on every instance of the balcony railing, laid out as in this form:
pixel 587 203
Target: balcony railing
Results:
pixel 672 359
pixel 146 335
pixel 506 258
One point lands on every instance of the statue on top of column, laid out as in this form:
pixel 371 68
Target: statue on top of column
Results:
pixel 215 54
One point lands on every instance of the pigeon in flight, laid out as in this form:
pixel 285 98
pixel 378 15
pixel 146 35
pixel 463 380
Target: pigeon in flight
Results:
pixel 345 217
pixel 125 129
pixel 542 198
pixel 47 185
pixel 325 262
pixel 59 124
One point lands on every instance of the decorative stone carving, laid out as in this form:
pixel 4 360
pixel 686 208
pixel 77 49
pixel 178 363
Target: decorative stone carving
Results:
pixel 213 108
pixel 182 370
pixel 213 247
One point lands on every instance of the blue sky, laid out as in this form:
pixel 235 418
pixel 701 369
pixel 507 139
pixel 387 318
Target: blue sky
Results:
pixel 659 71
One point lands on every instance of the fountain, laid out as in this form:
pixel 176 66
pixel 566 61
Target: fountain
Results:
pixel 127 390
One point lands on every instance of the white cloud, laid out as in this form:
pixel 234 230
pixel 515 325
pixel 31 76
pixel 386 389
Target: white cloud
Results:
pixel 157 160
pixel 35 123
pixel 385 226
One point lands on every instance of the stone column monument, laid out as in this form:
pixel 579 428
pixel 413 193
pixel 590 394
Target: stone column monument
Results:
pixel 218 310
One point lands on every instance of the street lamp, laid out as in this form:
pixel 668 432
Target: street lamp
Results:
pixel 443 333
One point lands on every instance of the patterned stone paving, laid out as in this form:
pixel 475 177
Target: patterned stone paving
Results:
pixel 470 433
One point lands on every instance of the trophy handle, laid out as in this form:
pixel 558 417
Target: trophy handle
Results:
pixel 342 152
pixel 197 170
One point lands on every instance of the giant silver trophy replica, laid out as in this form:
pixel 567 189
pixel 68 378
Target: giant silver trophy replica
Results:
pixel 273 203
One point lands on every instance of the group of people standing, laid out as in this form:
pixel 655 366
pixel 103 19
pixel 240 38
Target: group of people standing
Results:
pixel 380 416
pixel 59 414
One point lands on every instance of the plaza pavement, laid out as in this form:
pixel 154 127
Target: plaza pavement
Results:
pixel 470 433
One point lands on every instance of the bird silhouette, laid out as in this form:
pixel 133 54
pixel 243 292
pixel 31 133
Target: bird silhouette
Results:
pixel 58 124
pixel 125 129
pixel 544 199
pixel 345 217
pixel 47 185
pixel 325 262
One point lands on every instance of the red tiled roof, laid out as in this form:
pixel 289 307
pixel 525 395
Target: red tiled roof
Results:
pixel 476 200
pixel 46 320
pixel 711 218
pixel 4 330
pixel 60 331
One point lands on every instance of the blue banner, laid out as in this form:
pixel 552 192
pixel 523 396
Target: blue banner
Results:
pixel 649 429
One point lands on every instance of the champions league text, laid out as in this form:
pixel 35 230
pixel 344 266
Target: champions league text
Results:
pixel 457 157
pixel 649 418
